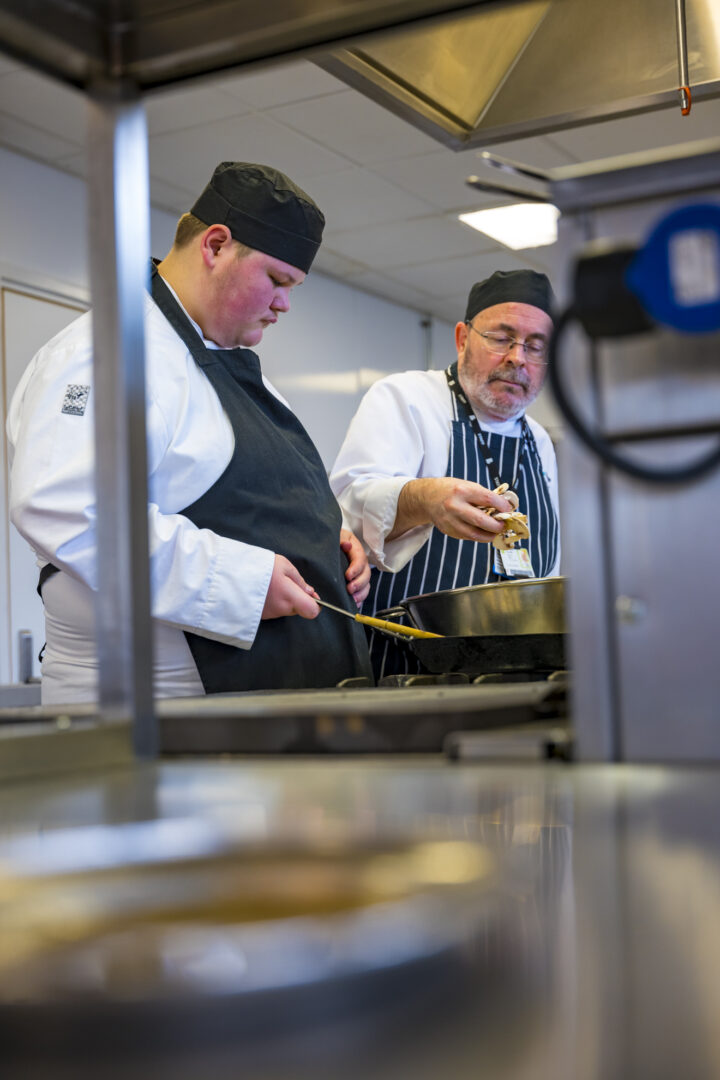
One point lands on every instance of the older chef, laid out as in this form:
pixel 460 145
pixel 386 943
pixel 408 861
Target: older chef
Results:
pixel 243 524
pixel 426 448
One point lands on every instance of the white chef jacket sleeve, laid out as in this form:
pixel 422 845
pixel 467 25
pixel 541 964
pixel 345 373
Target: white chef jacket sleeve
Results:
pixel 201 581
pixel 395 436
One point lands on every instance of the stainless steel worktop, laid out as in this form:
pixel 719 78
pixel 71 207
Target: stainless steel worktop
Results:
pixel 601 959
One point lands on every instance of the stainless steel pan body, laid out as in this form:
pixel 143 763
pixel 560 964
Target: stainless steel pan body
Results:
pixel 503 608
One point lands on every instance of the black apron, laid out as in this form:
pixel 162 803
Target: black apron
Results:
pixel 446 563
pixel 274 494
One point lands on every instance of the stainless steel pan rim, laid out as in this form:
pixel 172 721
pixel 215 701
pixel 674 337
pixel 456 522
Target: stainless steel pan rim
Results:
pixel 501 608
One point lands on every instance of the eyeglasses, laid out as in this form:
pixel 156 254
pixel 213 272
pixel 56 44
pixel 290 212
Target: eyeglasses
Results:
pixel 535 352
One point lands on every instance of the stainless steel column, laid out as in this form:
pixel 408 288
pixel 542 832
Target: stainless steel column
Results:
pixel 118 228
pixel 643 602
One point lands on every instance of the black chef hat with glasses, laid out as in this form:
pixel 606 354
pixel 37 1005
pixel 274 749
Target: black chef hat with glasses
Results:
pixel 511 287
pixel 263 209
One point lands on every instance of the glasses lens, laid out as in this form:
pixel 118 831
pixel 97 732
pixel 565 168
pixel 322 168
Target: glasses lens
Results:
pixel 498 343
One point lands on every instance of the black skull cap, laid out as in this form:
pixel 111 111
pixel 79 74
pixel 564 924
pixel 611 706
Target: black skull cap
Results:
pixel 263 209
pixel 511 287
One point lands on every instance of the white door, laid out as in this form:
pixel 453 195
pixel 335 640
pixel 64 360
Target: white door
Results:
pixel 28 321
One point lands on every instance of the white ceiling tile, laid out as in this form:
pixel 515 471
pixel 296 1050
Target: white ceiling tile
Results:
pixel 454 277
pixel 357 197
pixel 665 127
pixel 438 178
pixel 281 84
pixel 539 152
pixel 174 110
pixel 381 285
pixel 333 263
pixel 45 103
pixel 163 195
pixel 398 243
pixel 23 138
pixel 355 126
pixel 190 157
pixel 169 197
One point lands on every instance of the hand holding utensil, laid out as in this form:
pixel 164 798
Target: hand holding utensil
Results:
pixel 380 624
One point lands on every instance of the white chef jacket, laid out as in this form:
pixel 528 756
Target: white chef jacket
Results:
pixel 202 582
pixel 400 432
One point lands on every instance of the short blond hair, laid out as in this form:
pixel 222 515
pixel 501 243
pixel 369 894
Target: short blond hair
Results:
pixel 189 226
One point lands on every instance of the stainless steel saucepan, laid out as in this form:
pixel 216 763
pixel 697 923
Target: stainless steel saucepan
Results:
pixel 503 608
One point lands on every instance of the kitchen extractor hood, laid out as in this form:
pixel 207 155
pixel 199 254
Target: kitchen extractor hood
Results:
pixel 504 72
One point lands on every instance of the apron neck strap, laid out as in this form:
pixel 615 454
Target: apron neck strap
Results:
pixel 465 410
pixel 178 319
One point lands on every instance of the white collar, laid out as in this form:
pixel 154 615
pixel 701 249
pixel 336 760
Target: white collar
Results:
pixel 206 341
pixel 503 427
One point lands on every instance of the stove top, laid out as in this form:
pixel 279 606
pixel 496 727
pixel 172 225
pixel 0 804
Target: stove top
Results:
pixel 414 717
pixel 407 714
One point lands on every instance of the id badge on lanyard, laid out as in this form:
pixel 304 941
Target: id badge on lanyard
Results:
pixel 515 562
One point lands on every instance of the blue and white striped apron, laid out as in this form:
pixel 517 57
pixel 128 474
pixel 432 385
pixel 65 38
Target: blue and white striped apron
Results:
pixel 446 563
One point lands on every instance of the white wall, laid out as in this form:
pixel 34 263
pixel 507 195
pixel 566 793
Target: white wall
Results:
pixel 322 355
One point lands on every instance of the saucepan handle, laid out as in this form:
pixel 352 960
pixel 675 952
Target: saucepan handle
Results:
pixel 396 613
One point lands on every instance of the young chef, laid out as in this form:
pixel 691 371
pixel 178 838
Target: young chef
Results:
pixel 243 525
pixel 426 449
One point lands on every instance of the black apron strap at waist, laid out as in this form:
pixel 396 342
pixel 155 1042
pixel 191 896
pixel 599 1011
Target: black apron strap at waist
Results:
pixel 47 572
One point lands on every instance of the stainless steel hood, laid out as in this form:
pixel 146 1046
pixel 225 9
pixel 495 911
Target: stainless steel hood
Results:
pixel 504 72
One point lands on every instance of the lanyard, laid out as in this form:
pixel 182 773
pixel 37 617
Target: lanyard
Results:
pixel 526 439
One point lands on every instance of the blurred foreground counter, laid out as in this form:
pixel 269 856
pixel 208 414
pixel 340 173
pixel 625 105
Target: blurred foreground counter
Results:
pixel 387 918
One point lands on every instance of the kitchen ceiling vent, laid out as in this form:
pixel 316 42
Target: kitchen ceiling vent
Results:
pixel 504 72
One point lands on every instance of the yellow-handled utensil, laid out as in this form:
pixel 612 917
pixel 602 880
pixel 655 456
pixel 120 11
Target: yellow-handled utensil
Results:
pixel 379 624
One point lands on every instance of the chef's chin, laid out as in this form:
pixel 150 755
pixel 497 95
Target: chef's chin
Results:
pixel 250 338
pixel 503 404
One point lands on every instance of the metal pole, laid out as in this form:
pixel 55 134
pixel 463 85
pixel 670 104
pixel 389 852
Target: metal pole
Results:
pixel 25 656
pixel 684 88
pixel 118 217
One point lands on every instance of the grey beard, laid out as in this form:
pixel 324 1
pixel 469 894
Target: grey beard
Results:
pixel 508 410
pixel 485 397
pixel 482 397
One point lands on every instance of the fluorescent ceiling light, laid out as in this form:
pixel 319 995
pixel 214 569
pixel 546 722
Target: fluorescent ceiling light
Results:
pixel 523 225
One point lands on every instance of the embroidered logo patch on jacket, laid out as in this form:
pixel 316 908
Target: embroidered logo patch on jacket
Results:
pixel 76 399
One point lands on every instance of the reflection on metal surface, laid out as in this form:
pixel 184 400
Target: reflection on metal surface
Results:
pixel 448 73
pixel 535 67
pixel 599 915
pixel 413 920
pixel 146 905
pixel 156 42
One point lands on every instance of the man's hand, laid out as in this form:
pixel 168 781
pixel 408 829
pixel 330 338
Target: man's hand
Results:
pixel 288 593
pixel 453 506
pixel 358 571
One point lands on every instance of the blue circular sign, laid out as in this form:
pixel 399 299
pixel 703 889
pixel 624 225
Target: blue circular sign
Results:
pixel 676 274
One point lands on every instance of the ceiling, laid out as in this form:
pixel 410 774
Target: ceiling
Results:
pixel 390 193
